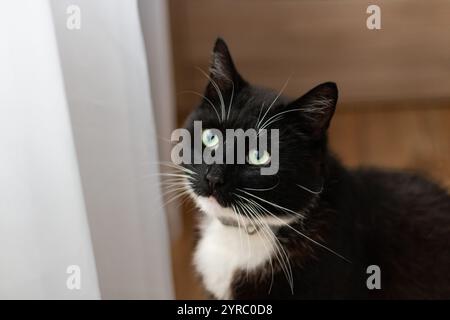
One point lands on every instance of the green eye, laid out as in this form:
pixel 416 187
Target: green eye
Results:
pixel 209 138
pixel 258 158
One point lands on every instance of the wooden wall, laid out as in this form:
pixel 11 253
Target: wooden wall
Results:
pixel 314 41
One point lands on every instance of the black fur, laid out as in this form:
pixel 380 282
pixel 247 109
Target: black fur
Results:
pixel 398 221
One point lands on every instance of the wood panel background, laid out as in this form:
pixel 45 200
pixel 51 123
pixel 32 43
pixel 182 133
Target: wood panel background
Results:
pixel 314 41
pixel 394 107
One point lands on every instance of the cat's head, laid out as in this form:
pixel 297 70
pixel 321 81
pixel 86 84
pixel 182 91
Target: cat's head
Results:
pixel 232 191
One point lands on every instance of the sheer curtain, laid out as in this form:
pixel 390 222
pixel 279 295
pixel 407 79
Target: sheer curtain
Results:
pixel 79 154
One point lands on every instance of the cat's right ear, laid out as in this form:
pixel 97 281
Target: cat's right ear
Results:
pixel 223 74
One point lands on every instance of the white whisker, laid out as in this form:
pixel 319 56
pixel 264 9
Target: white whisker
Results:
pixel 311 191
pixel 207 100
pixel 273 102
pixel 262 189
pixel 304 235
pixel 273 204
pixel 231 99
pixel 280 253
pixel 217 88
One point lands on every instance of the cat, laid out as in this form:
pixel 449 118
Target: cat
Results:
pixel 315 229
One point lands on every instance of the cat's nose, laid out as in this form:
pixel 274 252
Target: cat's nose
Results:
pixel 215 176
pixel 214 180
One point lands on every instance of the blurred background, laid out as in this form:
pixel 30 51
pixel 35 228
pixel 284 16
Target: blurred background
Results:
pixel 86 113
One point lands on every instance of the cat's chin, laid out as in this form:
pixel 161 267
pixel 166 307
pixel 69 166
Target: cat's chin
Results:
pixel 211 207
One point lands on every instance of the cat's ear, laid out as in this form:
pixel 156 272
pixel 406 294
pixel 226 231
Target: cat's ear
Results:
pixel 222 72
pixel 317 107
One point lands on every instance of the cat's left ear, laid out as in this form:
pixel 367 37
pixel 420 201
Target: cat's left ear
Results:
pixel 316 108
pixel 223 72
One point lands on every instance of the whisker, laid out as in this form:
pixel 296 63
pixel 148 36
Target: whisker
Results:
pixel 311 191
pixel 174 189
pixel 280 253
pixel 283 255
pixel 259 115
pixel 239 223
pixel 182 194
pixel 272 204
pixel 274 100
pixel 207 100
pixel 176 166
pixel 304 235
pixel 262 189
pixel 172 183
pixel 217 88
pixel 322 106
pixel 165 174
pixel 248 240
pixel 231 100
pixel 277 115
pixel 270 122
pixel 270 257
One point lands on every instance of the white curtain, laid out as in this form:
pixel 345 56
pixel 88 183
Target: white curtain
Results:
pixel 79 155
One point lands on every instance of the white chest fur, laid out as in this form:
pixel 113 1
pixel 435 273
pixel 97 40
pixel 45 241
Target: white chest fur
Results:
pixel 223 250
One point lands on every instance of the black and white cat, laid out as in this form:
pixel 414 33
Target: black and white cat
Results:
pixel 311 230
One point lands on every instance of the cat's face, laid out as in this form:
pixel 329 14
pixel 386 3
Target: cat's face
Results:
pixel 240 190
